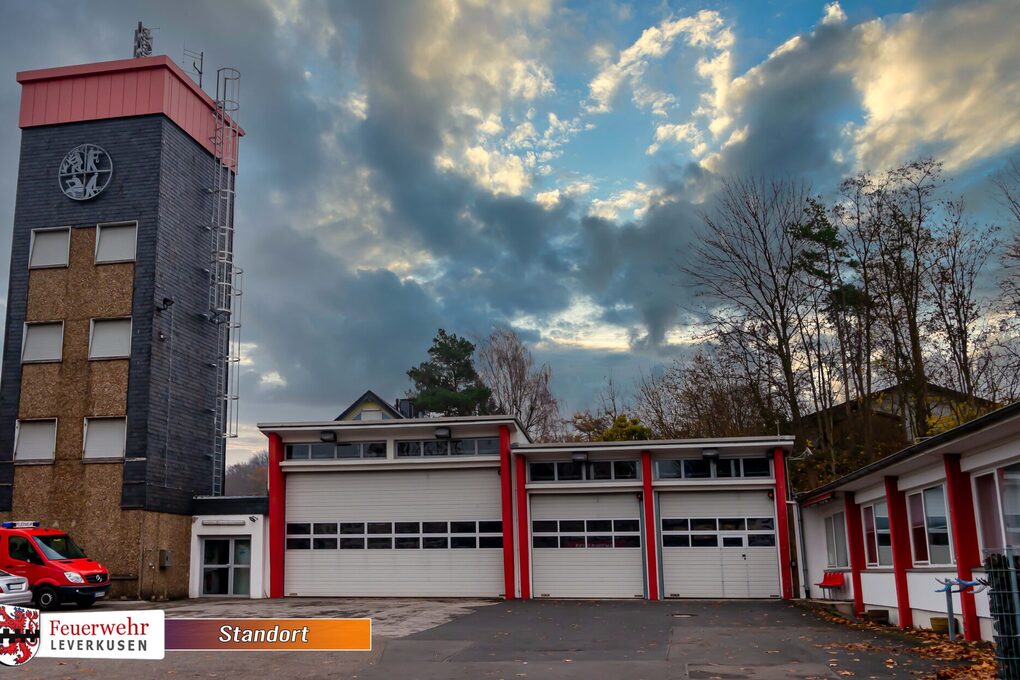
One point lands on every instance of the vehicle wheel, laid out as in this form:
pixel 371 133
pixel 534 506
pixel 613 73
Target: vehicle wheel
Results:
pixel 85 603
pixel 46 597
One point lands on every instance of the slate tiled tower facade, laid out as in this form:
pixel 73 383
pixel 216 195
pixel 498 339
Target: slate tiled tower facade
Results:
pixel 109 385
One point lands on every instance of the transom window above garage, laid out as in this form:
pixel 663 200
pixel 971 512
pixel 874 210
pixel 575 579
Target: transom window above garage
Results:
pixel 705 468
pixel 428 535
pixel 586 533
pixel 718 532
pixel 576 471
pixel 416 448
pixel 342 451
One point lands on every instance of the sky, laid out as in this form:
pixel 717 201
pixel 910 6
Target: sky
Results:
pixel 541 164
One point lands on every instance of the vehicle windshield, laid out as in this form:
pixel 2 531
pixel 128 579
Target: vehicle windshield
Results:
pixel 59 547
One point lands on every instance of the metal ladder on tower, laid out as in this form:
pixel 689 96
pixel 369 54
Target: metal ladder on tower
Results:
pixel 225 278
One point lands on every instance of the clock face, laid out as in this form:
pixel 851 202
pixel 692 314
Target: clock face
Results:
pixel 85 171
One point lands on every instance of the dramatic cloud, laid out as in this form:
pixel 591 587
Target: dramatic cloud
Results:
pixel 457 163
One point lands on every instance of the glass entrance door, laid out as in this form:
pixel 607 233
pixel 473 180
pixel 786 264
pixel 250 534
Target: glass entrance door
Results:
pixel 226 566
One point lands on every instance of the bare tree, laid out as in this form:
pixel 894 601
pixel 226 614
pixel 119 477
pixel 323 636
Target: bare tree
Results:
pixel 519 388
pixel 746 268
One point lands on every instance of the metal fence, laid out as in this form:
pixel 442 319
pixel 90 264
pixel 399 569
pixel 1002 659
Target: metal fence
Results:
pixel 1002 571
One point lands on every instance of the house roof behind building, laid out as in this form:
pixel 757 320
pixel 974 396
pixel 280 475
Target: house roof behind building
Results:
pixel 370 396
pixel 941 441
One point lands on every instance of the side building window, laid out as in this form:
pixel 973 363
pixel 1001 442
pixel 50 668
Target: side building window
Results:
pixel 986 496
pixel 835 541
pixel 877 538
pixel 929 526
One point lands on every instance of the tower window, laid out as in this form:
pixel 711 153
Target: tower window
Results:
pixel 49 248
pixel 35 439
pixel 43 342
pixel 115 242
pixel 110 339
pixel 105 437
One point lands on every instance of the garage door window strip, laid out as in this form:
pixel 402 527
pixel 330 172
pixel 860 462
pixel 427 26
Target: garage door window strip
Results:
pixel 582 533
pixel 429 535
pixel 596 471
pixel 724 468
pixel 714 532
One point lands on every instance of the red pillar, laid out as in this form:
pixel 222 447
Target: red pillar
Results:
pixel 651 542
pixel 855 537
pixel 277 515
pixel 506 487
pixel 963 529
pixel 523 547
pixel 902 559
pixel 783 523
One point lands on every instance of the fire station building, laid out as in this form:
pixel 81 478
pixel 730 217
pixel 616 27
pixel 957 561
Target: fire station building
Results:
pixel 382 505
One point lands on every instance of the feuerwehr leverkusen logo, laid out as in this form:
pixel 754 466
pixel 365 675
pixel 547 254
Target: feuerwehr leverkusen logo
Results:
pixel 85 171
pixel 19 635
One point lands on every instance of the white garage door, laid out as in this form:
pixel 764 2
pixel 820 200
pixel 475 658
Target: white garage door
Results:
pixel 718 544
pixel 587 546
pixel 429 533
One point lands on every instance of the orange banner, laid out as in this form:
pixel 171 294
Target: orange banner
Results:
pixel 334 635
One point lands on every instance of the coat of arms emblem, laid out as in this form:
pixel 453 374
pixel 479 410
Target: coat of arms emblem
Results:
pixel 85 171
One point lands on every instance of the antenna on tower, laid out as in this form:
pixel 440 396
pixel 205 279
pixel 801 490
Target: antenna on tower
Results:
pixel 197 60
pixel 143 41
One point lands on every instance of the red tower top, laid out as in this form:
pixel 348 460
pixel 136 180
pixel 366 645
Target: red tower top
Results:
pixel 115 89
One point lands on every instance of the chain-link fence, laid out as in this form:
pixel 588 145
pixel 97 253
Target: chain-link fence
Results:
pixel 1002 568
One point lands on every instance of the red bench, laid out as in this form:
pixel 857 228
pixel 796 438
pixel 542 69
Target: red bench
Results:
pixel 832 580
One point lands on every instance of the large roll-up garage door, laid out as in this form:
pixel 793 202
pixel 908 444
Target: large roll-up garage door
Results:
pixel 587 546
pixel 402 533
pixel 718 544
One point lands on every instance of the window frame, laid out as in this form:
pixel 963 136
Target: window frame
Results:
pixel 17 439
pixel 67 254
pixel 92 331
pixel 686 534
pixel 865 510
pixel 84 438
pixel 393 534
pixel 134 247
pixel 713 469
pixel 922 495
pixel 832 537
pixel 1000 529
pixel 24 341
pixel 587 472
pixel 449 448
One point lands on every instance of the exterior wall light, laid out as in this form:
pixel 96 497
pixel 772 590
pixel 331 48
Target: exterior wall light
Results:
pixel 580 457
pixel 327 436
pixel 442 433
pixel 710 454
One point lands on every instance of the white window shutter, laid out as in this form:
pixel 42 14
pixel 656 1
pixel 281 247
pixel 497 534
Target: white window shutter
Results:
pixel 49 248
pixel 115 243
pixel 104 437
pixel 36 440
pixel 111 338
pixel 43 342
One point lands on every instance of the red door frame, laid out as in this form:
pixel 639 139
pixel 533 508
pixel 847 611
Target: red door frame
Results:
pixel 651 542
pixel 506 488
pixel 783 523
pixel 855 537
pixel 277 515
pixel 523 547
pixel 902 557
pixel 963 529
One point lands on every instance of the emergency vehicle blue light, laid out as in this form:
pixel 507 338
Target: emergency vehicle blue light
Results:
pixel 20 525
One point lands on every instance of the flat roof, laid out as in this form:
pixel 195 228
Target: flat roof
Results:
pixel 730 444
pixel 393 422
